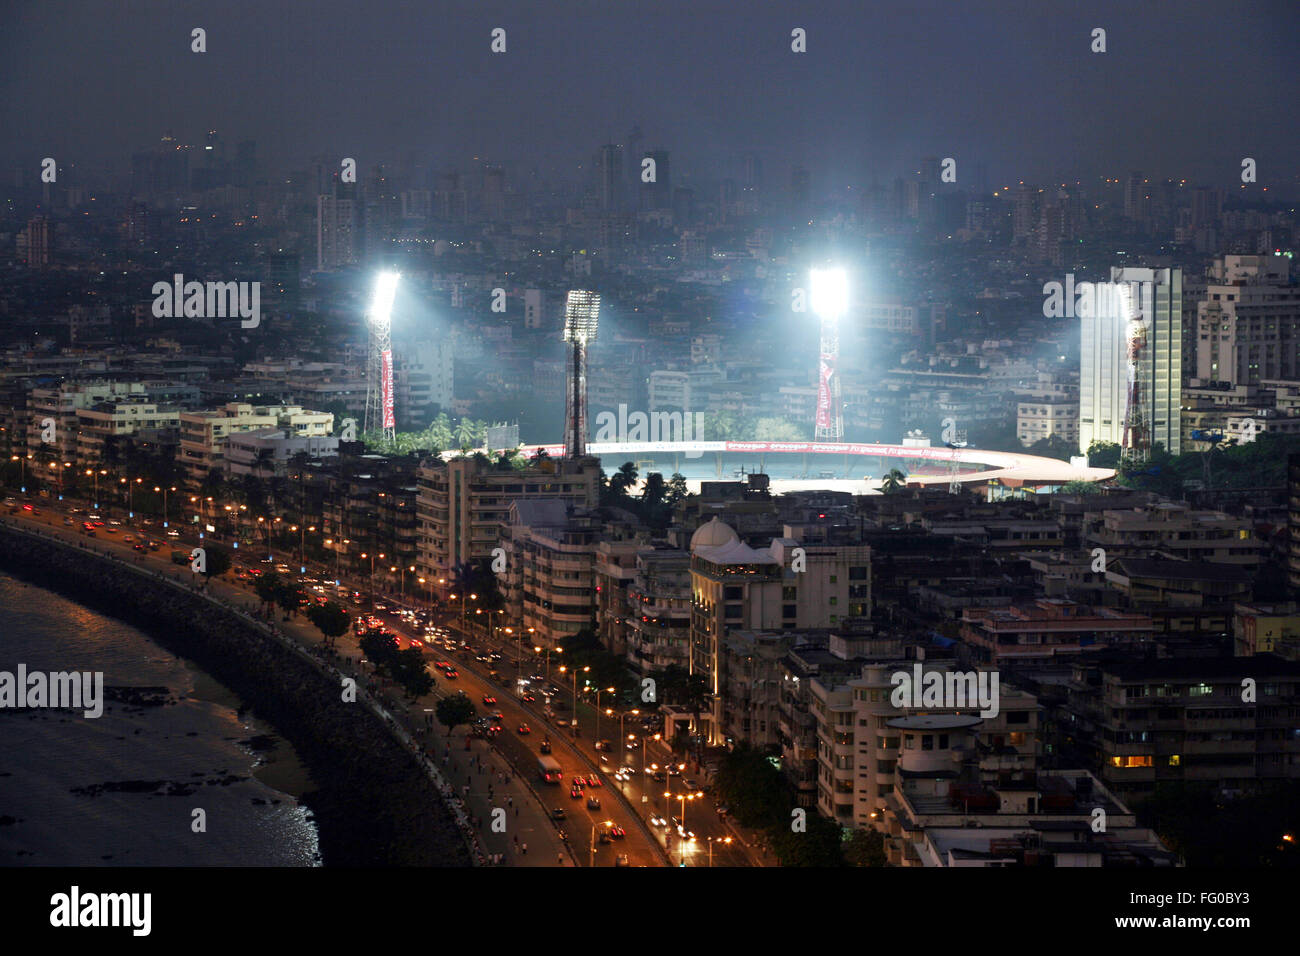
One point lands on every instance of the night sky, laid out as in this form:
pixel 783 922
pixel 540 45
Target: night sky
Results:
pixel 1186 88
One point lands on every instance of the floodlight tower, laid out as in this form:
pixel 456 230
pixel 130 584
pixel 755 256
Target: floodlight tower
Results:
pixel 581 312
pixel 379 358
pixel 830 300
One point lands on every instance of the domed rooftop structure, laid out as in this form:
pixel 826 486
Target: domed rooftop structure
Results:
pixel 713 534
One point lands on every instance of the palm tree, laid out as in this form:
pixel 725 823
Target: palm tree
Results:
pixel 440 432
pixel 893 482
pixel 623 479
pixel 464 433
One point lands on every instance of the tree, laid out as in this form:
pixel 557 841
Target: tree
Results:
pixel 454 711
pixel 464 433
pixel 623 479
pixel 291 596
pixel 893 482
pixel 1103 454
pixel 267 586
pixel 677 489
pixel 408 669
pixel 1081 488
pixel 379 646
pixel 218 560
pixel 330 618
pixel 866 848
pixel 820 845
pixel 655 490
pixel 1054 446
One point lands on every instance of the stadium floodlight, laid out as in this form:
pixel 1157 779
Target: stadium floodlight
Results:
pixel 381 300
pixel 581 313
pixel 830 293
pixel 380 407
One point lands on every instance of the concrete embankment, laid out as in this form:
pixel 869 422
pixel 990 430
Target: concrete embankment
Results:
pixel 375 805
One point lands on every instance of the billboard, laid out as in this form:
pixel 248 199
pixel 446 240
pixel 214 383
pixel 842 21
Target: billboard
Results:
pixel 386 389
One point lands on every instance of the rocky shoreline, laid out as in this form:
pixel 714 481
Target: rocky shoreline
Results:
pixel 375 805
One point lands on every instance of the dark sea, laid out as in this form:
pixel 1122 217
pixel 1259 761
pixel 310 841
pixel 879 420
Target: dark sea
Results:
pixel 121 789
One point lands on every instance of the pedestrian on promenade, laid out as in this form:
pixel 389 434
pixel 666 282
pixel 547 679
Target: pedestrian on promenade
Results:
pixel 524 848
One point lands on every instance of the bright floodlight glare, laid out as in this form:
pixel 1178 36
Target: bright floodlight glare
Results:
pixel 830 293
pixel 581 312
pixel 381 304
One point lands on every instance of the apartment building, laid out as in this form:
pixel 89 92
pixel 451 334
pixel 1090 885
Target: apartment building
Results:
pixel 267 453
pixel 1022 635
pixel 549 582
pixel 204 433
pixel 859 743
pixel 116 420
pixel 52 423
pixel 464 503
pixel 1248 325
pixel 1175 530
pixel 658 610
pixel 786 586
pixel 1142 723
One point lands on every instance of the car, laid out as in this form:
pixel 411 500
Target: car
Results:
pixel 576 793
pixel 546 746
pixel 529 698
pixel 154 545
pixel 451 674
pixel 558 813
pixel 673 771
pixel 443 665
pixel 110 530
pixel 616 831
pixel 98 522
pixel 129 539
pixel 414 642
pixel 690 784
pixel 593 803
pixel 594 781
pixel 497 717
pixel 659 776
pixel 173 533
pixel 28 508
pixel 68 521
pixel 482 658
pixel 114 522
pixel 138 547
pixel 602 745
pixel 626 771
pixel 489 699
pixel 381 607
pixel 579 782
pixel 525 730
pixel 604 837
pixel 658 822
pixel 621 860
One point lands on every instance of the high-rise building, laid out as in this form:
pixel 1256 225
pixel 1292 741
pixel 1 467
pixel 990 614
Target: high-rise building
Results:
pixel 336 232
pixel 1248 323
pixel 657 194
pixel 1293 522
pixel 609 177
pixel 36 243
pixel 1130 355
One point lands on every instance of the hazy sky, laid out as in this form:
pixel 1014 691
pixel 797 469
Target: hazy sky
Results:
pixel 1186 87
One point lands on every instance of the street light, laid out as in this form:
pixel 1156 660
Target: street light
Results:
pixel 164 491
pixel 607 823
pixel 713 840
pixel 599 691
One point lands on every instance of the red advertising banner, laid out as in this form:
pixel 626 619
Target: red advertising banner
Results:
pixel 386 390
pixel 824 395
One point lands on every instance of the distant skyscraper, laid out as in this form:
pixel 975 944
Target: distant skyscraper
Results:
pixel 36 243
pixel 336 232
pixel 283 270
pixel 494 194
pixel 658 194
pixel 1130 376
pixel 1137 198
pixel 609 177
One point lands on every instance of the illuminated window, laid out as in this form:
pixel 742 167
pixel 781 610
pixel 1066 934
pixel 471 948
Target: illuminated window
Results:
pixel 1134 761
pixel 1175 760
